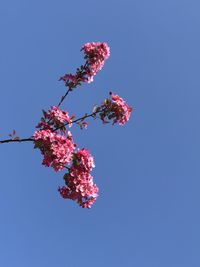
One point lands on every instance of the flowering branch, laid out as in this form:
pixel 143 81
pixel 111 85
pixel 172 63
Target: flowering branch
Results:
pixel 93 114
pixel 55 141
pixel 19 140
pixel 71 81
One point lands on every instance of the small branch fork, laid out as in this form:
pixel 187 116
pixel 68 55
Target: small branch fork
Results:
pixel 80 119
pixel 71 88
pixel 31 139
pixel 18 140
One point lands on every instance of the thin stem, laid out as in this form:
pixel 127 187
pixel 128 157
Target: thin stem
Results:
pixel 80 119
pixel 84 117
pixel 71 88
pixel 63 97
pixel 66 167
pixel 32 140
pixel 17 140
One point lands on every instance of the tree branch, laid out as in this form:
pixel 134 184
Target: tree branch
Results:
pixel 63 97
pixel 71 88
pixel 17 140
pixel 80 119
pixel 31 139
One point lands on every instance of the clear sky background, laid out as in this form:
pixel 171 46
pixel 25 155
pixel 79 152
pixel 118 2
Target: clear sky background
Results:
pixel 148 172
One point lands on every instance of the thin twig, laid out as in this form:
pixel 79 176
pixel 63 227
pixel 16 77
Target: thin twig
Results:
pixel 32 139
pixel 17 140
pixel 80 119
pixel 71 88
pixel 63 97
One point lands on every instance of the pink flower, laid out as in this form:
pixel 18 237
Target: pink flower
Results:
pixel 95 55
pixel 58 116
pixel 56 149
pixel 115 109
pixel 122 110
pixel 83 160
pixel 80 187
pixel 96 51
pixel 73 80
pixel 69 78
pixel 79 183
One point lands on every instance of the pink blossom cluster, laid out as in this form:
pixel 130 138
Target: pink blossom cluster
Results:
pixel 57 149
pixel 58 115
pixel 55 118
pixel 72 80
pixel 83 160
pixel 79 183
pixel 57 146
pixel 95 56
pixel 115 109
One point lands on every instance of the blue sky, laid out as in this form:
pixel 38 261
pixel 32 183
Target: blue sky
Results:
pixel 147 214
